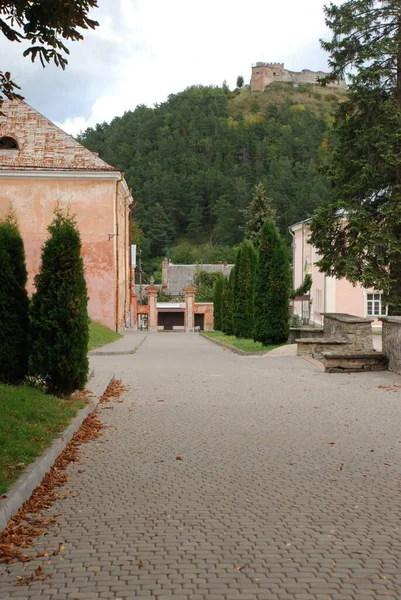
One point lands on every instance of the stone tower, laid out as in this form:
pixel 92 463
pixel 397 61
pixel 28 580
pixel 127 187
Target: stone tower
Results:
pixel 264 74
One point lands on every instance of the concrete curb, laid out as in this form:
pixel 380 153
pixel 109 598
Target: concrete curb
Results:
pixel 233 349
pixel 34 473
pixel 117 352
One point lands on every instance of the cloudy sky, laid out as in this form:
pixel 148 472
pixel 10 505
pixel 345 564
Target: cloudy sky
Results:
pixel 145 50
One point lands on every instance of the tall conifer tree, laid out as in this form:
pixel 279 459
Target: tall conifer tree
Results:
pixel 358 234
pixel 217 303
pixel 272 290
pixel 14 303
pixel 228 303
pixel 257 213
pixel 244 290
pixel 59 310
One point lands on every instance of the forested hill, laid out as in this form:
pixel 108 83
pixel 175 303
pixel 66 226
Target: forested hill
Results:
pixel 193 161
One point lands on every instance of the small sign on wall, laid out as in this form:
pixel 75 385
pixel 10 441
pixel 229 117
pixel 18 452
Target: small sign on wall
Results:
pixel 133 255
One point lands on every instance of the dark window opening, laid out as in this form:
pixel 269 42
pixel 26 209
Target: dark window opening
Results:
pixel 8 143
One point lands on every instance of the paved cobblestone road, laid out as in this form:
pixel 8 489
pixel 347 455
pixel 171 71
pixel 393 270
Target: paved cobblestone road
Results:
pixel 289 487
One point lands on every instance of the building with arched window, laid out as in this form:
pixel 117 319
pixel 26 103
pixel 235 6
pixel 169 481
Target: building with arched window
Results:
pixel 42 167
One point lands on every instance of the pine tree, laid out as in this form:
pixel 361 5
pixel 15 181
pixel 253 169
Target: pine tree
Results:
pixel 272 290
pixel 244 290
pixel 257 213
pixel 14 304
pixel 159 230
pixel 217 303
pixel 59 310
pixel 358 234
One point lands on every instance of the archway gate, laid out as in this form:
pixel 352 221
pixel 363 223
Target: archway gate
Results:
pixel 192 311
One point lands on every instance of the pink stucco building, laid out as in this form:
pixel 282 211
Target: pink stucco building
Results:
pixel 41 167
pixel 328 294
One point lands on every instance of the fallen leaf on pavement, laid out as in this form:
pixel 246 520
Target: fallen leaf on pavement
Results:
pixel 141 564
pixel 179 458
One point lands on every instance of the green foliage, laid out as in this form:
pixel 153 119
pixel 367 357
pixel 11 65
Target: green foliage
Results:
pixel 11 241
pixel 257 213
pixel 14 304
pixel 244 291
pixel 30 420
pixel 99 335
pixel 248 345
pixel 227 303
pixel 358 234
pixel 218 303
pixel 304 288
pixel 14 323
pixel 240 81
pixel 194 161
pixel 47 26
pixel 59 315
pixel 160 230
pixel 208 254
pixel 272 288
pixel 205 283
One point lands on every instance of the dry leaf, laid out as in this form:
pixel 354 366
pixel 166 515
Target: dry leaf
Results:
pixel 179 458
pixel 331 443
pixel 241 567
pixel 341 467
pixel 140 564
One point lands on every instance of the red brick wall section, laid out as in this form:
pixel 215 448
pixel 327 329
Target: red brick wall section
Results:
pixel 205 308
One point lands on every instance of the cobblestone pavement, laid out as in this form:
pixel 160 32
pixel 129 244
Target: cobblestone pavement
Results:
pixel 288 487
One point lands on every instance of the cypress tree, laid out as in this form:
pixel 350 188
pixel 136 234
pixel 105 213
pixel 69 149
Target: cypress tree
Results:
pixel 217 303
pixel 14 304
pixel 244 290
pixel 59 310
pixel 11 241
pixel 228 303
pixel 14 323
pixel 272 292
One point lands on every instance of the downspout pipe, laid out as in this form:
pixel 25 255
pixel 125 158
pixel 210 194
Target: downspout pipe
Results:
pixel 117 290
pixel 293 255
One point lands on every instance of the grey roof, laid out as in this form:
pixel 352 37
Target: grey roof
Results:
pixel 179 276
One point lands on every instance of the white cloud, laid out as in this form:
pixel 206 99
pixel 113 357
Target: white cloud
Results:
pixel 147 49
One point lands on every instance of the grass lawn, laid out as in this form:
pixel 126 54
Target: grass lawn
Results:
pixel 240 343
pixel 29 421
pixel 99 335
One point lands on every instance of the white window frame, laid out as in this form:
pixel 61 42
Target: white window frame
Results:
pixel 374 306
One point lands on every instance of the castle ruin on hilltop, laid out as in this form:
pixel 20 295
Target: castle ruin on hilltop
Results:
pixel 263 74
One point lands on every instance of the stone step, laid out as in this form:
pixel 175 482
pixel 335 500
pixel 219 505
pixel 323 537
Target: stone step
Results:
pixel 354 362
pixel 315 346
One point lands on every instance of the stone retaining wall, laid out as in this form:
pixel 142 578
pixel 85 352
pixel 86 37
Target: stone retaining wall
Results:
pixel 392 342
pixel 357 331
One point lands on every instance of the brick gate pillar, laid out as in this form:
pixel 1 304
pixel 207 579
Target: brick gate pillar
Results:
pixel 189 308
pixel 151 292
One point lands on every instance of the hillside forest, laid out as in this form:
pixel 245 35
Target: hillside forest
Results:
pixel 193 162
